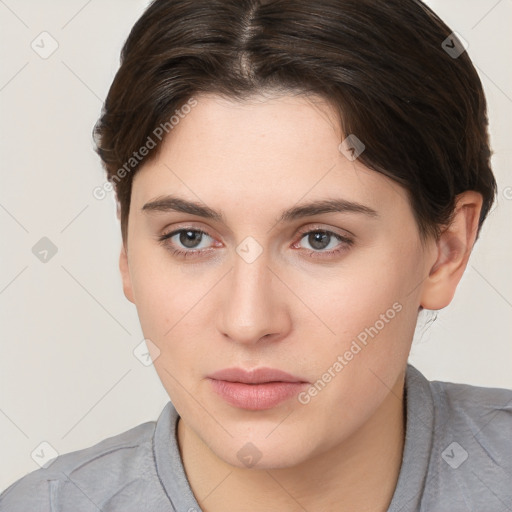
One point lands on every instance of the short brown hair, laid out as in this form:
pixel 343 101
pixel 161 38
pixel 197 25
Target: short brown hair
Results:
pixel 419 110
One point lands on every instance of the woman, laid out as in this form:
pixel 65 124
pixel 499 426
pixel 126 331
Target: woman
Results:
pixel 296 181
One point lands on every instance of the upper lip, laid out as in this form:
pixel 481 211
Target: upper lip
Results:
pixel 255 376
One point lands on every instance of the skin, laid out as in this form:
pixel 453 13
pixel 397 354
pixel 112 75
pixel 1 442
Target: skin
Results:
pixel 287 309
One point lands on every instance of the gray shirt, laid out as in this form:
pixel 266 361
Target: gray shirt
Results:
pixel 457 458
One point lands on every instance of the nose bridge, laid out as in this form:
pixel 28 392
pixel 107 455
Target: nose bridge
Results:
pixel 250 310
pixel 251 279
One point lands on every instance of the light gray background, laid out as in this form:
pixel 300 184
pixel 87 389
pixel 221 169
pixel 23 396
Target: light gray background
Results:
pixel 67 372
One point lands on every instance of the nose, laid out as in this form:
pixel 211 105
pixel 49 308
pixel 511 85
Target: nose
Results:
pixel 254 304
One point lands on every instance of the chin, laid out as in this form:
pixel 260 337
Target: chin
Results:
pixel 262 452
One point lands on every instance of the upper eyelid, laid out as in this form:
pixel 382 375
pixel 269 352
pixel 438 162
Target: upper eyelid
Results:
pixel 305 231
pixel 301 231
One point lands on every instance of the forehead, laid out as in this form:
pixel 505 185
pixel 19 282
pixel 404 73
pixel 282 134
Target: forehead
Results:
pixel 260 153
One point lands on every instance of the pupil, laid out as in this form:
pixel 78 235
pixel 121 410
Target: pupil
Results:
pixel 188 238
pixel 319 240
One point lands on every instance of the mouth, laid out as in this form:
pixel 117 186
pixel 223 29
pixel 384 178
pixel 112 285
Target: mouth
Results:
pixel 256 390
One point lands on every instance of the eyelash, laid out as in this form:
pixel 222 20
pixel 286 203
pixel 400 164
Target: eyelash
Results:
pixel 345 243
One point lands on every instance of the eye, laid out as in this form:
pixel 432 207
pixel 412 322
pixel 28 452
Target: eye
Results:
pixel 190 242
pixel 186 241
pixel 323 243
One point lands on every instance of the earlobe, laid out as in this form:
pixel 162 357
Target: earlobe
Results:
pixel 125 274
pixel 453 248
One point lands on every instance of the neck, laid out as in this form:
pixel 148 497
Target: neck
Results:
pixel 359 474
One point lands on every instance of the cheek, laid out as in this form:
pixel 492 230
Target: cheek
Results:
pixel 171 304
pixel 155 299
pixel 368 309
pixel 168 303
pixel 356 294
pixel 373 314
pixel 164 293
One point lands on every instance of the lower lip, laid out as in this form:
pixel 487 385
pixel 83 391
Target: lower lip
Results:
pixel 256 397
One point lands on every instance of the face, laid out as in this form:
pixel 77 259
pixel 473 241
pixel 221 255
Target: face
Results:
pixel 233 270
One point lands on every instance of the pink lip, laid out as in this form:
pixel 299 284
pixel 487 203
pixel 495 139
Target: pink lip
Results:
pixel 255 390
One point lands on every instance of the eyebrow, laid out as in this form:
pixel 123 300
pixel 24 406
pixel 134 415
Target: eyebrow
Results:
pixel 172 203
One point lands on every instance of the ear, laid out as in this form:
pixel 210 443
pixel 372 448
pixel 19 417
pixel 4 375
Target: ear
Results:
pixel 125 274
pixel 453 250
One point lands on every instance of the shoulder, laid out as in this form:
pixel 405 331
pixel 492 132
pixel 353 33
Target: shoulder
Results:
pixel 464 409
pixel 482 413
pixel 92 474
pixel 470 459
